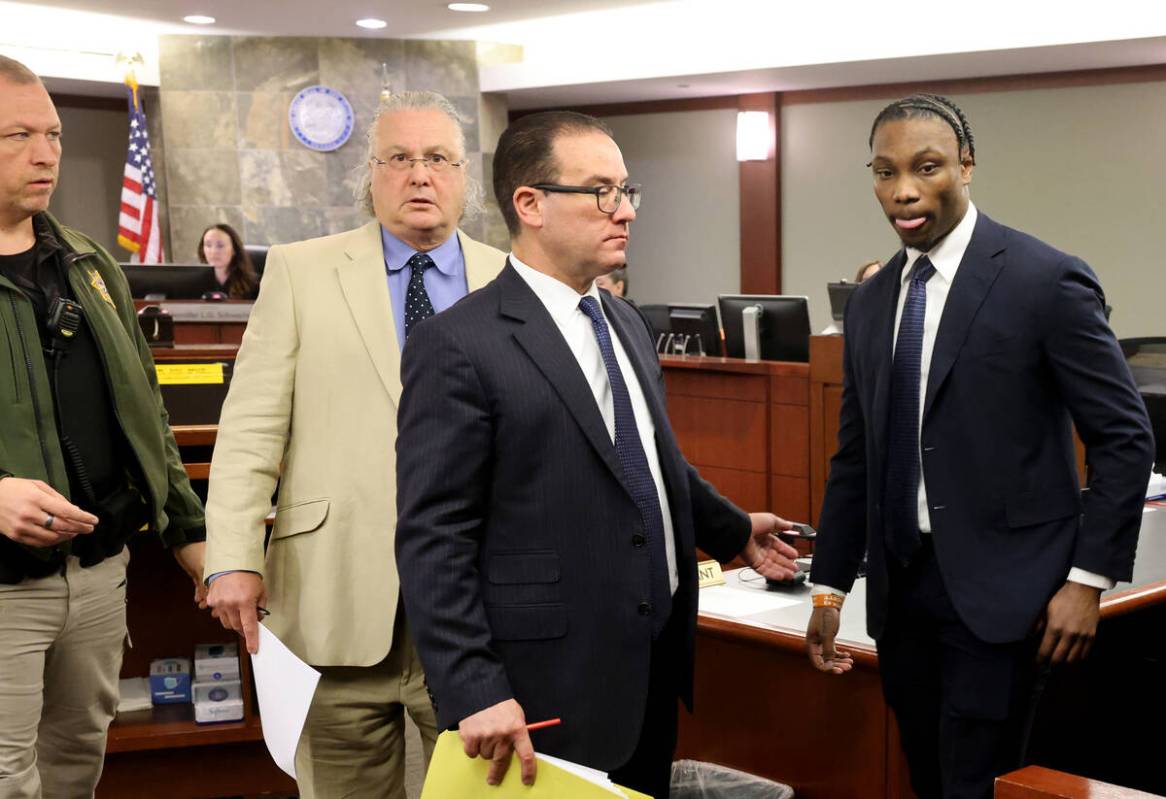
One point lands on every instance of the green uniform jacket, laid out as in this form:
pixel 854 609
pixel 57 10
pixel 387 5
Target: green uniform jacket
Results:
pixel 29 444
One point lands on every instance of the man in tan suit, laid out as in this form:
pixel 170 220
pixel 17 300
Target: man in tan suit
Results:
pixel 313 405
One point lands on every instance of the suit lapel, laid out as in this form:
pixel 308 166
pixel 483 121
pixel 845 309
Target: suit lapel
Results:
pixel 973 280
pixel 881 353
pixel 543 342
pixel 366 290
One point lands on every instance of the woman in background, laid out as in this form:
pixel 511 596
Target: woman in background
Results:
pixel 221 247
pixel 866 270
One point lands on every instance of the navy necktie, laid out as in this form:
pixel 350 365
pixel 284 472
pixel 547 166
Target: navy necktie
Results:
pixel 417 304
pixel 902 479
pixel 637 476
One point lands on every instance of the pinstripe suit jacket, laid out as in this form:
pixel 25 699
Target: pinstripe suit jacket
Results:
pixel 515 533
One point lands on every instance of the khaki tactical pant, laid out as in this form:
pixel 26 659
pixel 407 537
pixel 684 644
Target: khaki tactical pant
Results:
pixel 61 641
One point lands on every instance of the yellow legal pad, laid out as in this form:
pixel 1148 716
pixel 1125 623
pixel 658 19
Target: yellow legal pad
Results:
pixel 189 374
pixel 452 775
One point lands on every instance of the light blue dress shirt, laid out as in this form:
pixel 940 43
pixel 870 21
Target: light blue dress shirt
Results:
pixel 446 284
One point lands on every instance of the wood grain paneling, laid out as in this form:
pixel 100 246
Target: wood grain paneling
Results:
pixel 825 404
pixel 749 419
pixel 194 773
pixel 746 490
pixel 789 498
pixel 790 441
pixel 761 708
pixel 715 384
pixel 1035 782
pixel 760 206
pixel 790 389
pixel 720 432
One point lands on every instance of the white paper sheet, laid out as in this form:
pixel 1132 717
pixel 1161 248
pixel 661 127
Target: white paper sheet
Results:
pixel 594 776
pixel 1157 485
pixel 285 685
pixel 736 603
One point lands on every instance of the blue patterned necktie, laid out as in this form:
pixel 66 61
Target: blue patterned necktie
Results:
pixel 902 479
pixel 637 476
pixel 417 304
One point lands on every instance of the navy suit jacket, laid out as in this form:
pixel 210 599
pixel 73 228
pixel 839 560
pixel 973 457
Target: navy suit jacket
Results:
pixel 1023 353
pixel 520 551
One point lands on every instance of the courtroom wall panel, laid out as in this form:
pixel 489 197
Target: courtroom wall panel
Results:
pixel 685 242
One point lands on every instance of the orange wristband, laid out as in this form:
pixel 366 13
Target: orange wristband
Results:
pixel 828 601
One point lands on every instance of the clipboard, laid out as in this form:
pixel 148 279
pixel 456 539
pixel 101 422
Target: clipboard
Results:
pixel 452 775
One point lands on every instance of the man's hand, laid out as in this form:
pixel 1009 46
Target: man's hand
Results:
pixel 1070 624
pixel 191 558
pixel 820 634
pixel 767 554
pixel 235 600
pixel 34 514
pixel 493 734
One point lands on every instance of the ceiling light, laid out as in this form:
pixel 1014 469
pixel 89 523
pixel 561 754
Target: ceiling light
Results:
pixel 199 19
pixel 372 23
pixel 468 7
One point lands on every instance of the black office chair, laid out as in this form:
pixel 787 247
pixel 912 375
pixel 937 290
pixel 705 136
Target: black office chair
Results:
pixel 258 255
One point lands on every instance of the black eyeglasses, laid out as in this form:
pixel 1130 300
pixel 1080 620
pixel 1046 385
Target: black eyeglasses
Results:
pixel 607 198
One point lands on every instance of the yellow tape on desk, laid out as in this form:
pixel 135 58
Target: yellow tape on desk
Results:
pixel 189 374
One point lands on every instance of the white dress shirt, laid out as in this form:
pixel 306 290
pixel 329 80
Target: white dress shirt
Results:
pixel 562 303
pixel 946 257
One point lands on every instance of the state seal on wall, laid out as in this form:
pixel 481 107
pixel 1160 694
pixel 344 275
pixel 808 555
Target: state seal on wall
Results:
pixel 321 118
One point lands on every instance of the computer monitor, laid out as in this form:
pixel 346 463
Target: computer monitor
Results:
pixel 783 326
pixel 660 318
pixel 694 329
pixel 171 281
pixel 839 296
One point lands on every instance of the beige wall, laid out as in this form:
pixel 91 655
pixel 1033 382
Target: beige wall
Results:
pixel 93 158
pixel 685 242
pixel 1081 168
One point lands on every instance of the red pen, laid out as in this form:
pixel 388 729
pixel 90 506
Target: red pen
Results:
pixel 538 725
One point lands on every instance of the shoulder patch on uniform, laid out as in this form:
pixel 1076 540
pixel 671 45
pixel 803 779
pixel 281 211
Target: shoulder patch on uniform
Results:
pixel 99 284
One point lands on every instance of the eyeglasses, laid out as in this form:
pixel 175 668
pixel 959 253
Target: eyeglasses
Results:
pixel 607 198
pixel 399 162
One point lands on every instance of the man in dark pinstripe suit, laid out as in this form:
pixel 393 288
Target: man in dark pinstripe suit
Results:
pixel 548 522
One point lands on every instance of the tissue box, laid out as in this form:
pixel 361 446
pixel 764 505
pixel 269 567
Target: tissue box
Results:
pixel 218 701
pixel 170 681
pixel 215 662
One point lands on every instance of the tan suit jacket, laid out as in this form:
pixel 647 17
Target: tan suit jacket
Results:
pixel 313 402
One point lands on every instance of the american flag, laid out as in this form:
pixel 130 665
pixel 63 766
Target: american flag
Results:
pixel 137 224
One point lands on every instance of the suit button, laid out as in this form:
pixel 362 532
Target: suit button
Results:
pixel 644 609
pixel 639 540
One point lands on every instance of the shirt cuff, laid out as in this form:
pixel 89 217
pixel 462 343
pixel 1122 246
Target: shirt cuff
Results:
pixel 1077 575
pixel 825 589
pixel 217 575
